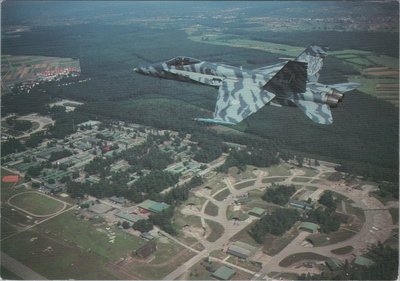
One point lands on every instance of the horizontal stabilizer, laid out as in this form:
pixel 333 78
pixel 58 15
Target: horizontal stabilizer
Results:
pixel 214 121
pixel 345 87
pixel 318 112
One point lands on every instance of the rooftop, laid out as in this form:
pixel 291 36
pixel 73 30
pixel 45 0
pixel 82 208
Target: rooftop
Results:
pixel 258 211
pixel 309 226
pixel 100 208
pixel 153 206
pixel 224 273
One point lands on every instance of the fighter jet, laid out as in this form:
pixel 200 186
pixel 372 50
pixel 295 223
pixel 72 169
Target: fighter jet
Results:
pixel 244 92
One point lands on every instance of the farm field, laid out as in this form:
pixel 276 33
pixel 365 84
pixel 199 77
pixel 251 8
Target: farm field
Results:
pixel 36 203
pixel 16 69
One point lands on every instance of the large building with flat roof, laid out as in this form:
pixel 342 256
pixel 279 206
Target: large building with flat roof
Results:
pixel 241 250
pixel 224 273
pixel 153 206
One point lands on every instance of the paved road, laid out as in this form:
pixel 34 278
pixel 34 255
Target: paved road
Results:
pixel 19 269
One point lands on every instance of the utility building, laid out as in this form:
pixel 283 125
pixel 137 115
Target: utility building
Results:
pixel 223 273
pixel 241 250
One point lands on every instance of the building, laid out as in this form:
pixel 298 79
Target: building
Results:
pixel 309 226
pixel 257 212
pixel 362 261
pixel 241 250
pixel 333 264
pixel 118 200
pixel 131 218
pixel 147 236
pixel 146 250
pixel 52 188
pixel 100 208
pixel 300 204
pixel 224 273
pixel 153 206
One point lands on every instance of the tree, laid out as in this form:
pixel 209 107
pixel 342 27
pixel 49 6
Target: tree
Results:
pixel 143 225
pixel 279 194
pixel 327 200
pixel 125 224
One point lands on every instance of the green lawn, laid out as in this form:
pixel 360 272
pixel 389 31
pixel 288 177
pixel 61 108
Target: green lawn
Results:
pixel 36 203
pixel 272 180
pixel 300 179
pixel 222 195
pixel 327 239
pixel 279 170
pixel 6 274
pixel 245 237
pixel 61 260
pixel 343 250
pixel 245 184
pixel 216 230
pixel 81 232
pixel 274 244
pixel 288 261
pixel 211 209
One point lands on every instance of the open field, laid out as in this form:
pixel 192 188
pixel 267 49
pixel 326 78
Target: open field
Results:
pixel 90 237
pixel 328 239
pixel 222 195
pixel 343 250
pixel 36 203
pixel 25 68
pixel 54 258
pixel 274 179
pixel 292 259
pixel 274 244
pixel 245 237
pixel 199 272
pixel 216 230
pixel 167 258
pixel 6 274
pixel 279 170
pixel 300 179
pixel 250 265
pixel 211 209
pixel 245 184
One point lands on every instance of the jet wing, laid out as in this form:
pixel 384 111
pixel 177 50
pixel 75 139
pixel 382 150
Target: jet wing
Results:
pixel 237 99
pixel 317 112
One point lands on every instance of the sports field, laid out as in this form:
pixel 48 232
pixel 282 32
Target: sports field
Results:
pixel 36 203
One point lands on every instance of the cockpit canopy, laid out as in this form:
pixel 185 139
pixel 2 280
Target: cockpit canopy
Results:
pixel 179 61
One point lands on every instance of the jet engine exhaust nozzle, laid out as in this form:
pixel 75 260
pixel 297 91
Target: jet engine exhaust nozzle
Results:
pixel 332 101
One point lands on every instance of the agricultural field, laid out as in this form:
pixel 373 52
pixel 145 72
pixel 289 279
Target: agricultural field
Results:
pixel 15 69
pixel 36 203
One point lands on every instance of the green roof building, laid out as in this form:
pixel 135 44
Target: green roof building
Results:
pixel 309 226
pixel 362 261
pixel 333 263
pixel 223 273
pixel 257 212
pixel 153 206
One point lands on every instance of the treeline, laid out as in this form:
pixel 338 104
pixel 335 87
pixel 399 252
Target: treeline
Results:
pixel 325 217
pixel 276 223
pixel 209 146
pixel 10 146
pixel 279 194
pixel 388 189
pixel 260 155
pixel 385 268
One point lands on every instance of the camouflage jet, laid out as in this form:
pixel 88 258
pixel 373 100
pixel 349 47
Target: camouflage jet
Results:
pixel 243 92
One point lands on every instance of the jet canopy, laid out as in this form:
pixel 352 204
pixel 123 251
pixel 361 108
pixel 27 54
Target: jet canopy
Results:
pixel 179 61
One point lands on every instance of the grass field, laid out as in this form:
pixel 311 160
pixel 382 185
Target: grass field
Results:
pixel 211 209
pixel 245 237
pixel 36 203
pixel 61 260
pixel 279 170
pixel 250 265
pixel 222 195
pixel 274 244
pixel 272 180
pixel 6 274
pixel 245 184
pixel 394 212
pixel 292 259
pixel 309 172
pixel 90 238
pixel 343 250
pixel 167 258
pixel 327 239
pixel 300 179
pixel 216 230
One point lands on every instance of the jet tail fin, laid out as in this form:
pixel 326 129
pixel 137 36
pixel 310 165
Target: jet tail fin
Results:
pixel 292 78
pixel 314 56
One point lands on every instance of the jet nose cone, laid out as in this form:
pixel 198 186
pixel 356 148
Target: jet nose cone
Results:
pixel 136 69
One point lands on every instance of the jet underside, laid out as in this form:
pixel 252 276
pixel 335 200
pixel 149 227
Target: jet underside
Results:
pixel 243 92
